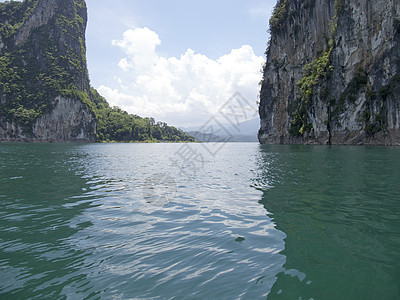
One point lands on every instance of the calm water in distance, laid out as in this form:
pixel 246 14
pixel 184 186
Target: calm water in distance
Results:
pixel 199 221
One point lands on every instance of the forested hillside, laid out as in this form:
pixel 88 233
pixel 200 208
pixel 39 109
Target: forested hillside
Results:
pixel 115 124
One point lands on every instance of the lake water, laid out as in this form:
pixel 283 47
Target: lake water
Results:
pixel 199 221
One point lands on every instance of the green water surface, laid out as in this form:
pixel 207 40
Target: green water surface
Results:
pixel 241 221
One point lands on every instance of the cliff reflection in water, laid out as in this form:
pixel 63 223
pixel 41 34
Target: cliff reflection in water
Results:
pixel 340 208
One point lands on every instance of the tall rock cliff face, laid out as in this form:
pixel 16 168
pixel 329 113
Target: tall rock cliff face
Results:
pixel 333 73
pixel 44 83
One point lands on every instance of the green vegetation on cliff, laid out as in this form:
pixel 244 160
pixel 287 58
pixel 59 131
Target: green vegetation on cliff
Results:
pixel 313 73
pixel 50 62
pixel 279 15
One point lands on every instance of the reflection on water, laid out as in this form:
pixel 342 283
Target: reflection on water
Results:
pixel 81 221
pixel 118 221
pixel 340 210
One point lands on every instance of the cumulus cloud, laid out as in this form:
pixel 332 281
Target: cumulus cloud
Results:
pixel 140 45
pixel 182 91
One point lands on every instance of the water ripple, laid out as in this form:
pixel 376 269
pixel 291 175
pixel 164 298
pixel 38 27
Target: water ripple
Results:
pixel 76 223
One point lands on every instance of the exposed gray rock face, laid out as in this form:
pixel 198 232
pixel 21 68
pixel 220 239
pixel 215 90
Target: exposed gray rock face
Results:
pixel 68 121
pixel 351 97
pixel 48 96
pixel 44 11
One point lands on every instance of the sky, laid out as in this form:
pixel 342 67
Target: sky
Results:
pixel 178 61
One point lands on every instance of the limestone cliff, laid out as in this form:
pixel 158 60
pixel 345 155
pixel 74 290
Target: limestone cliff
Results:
pixel 333 73
pixel 44 83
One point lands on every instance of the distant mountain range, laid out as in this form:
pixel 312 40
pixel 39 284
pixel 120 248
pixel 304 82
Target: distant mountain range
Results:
pixel 217 132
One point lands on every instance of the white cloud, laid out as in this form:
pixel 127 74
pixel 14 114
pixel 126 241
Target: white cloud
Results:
pixel 140 45
pixel 182 91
